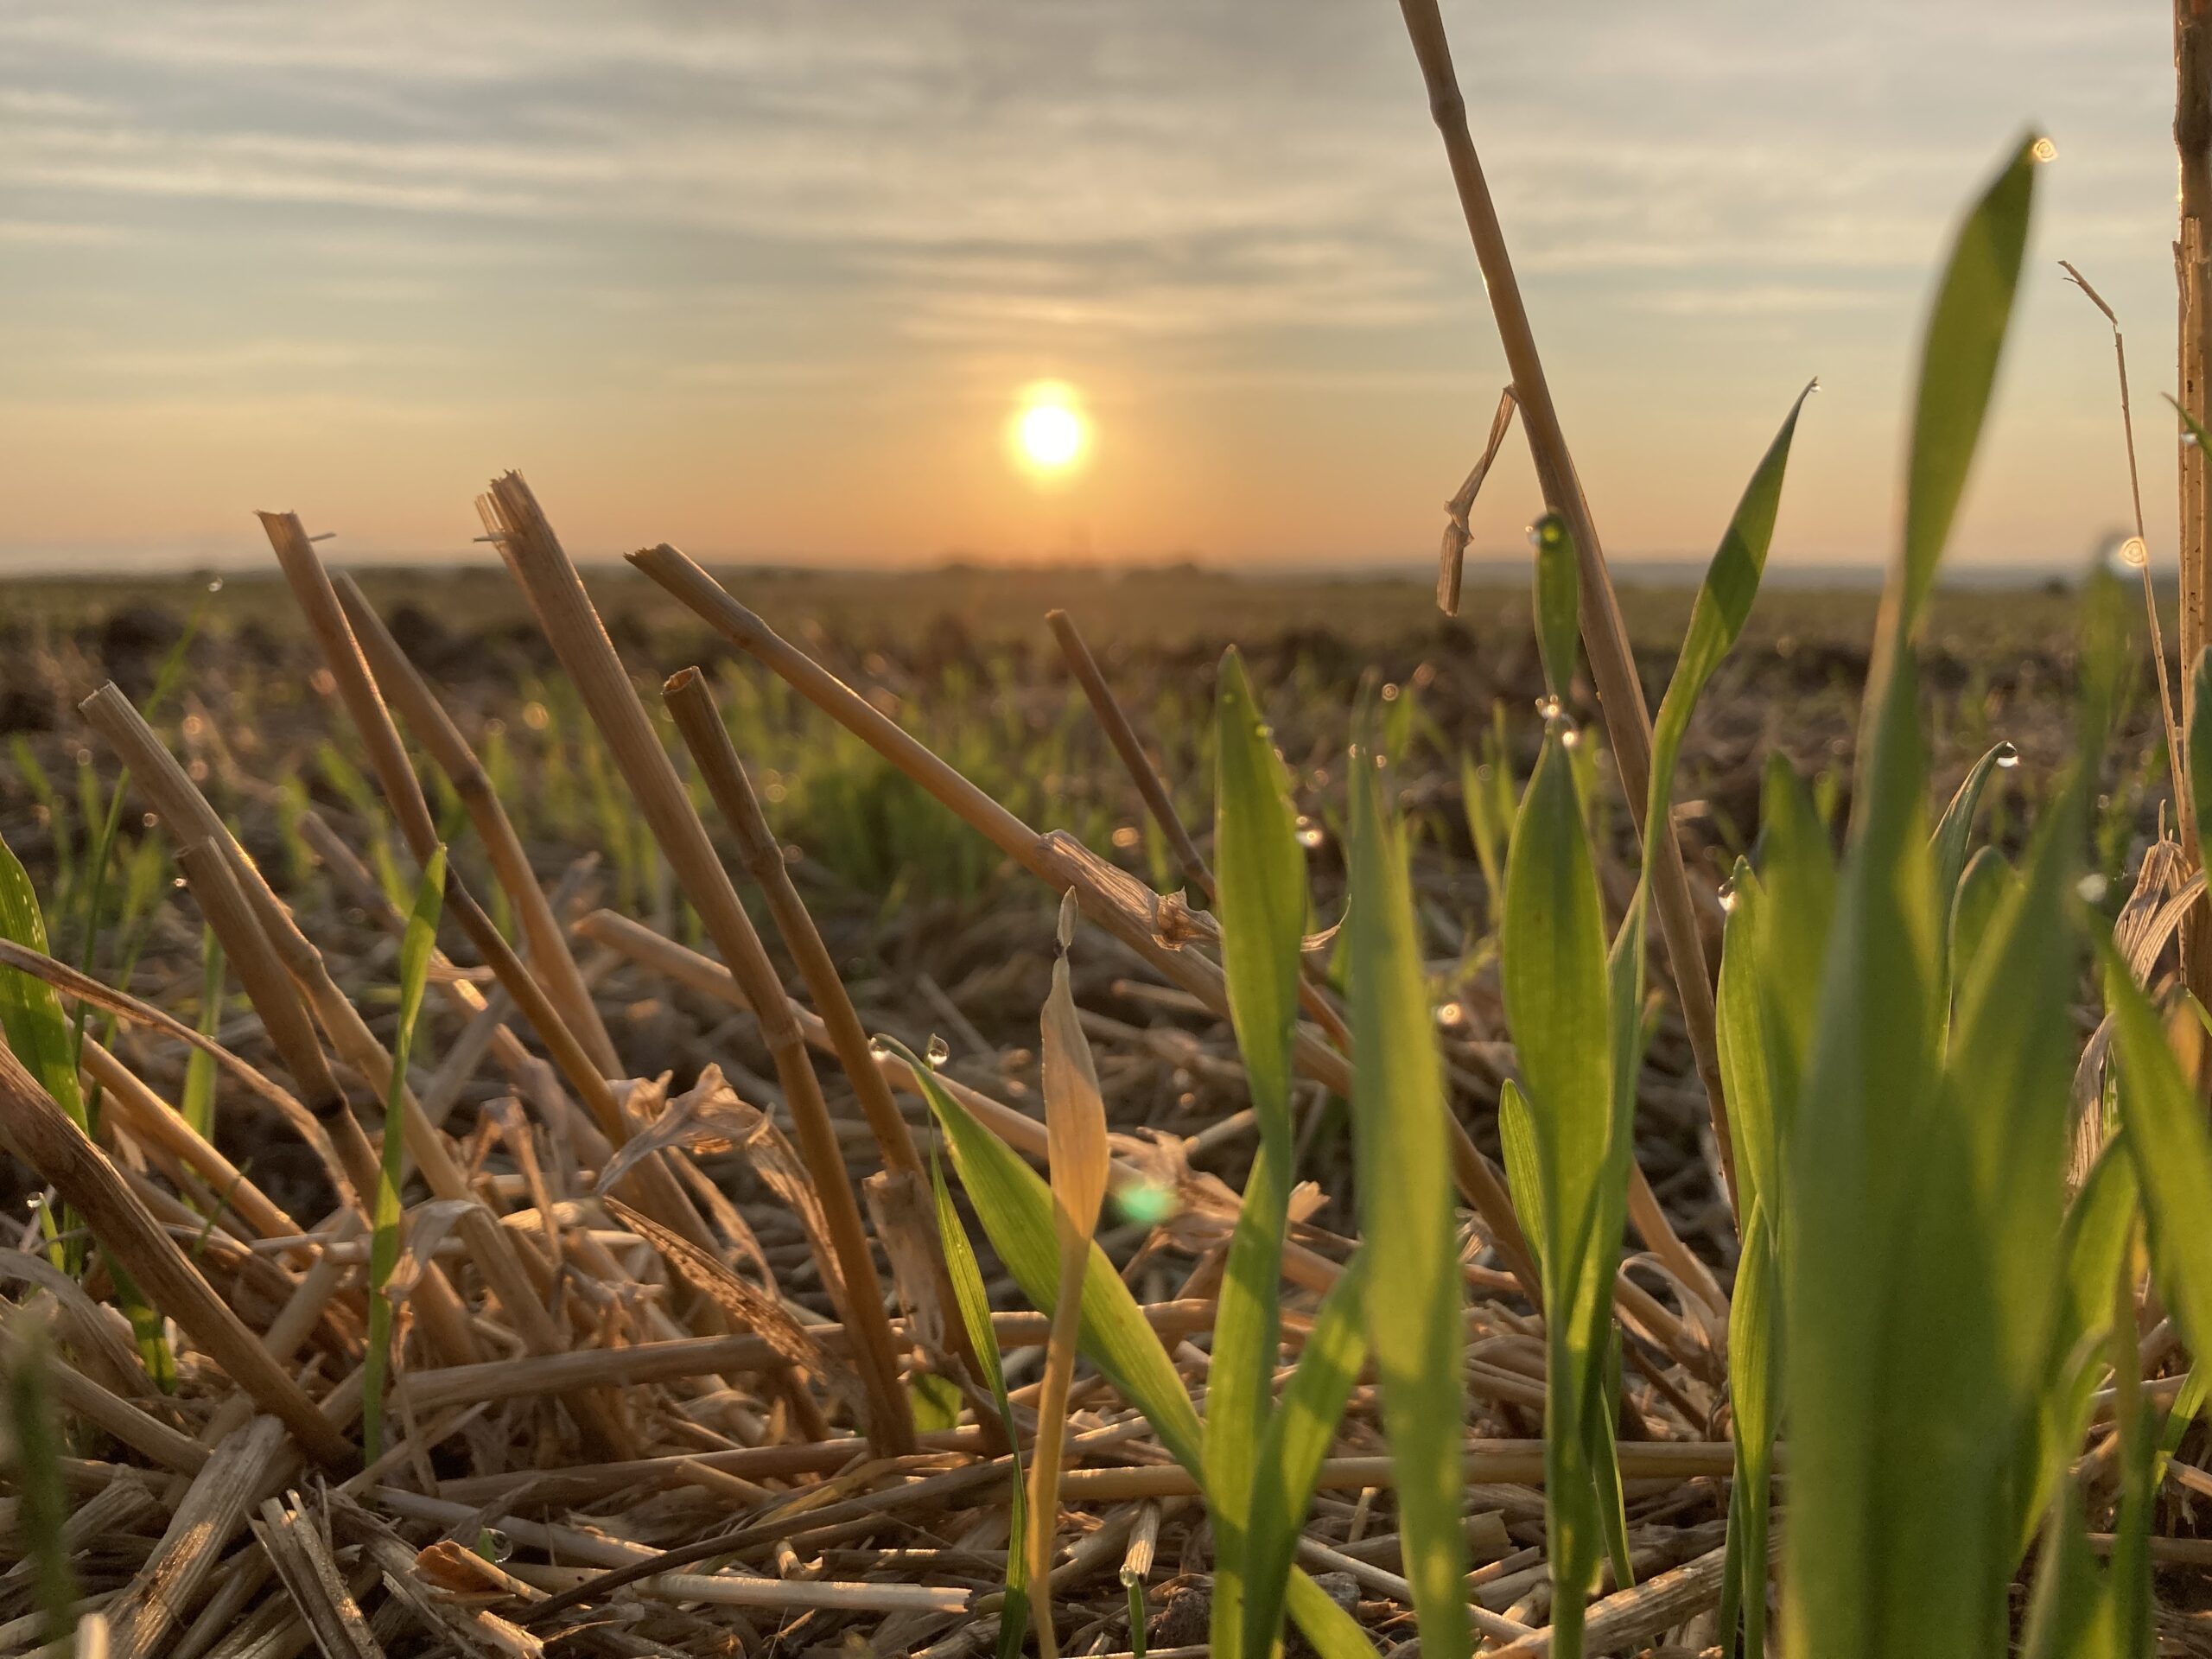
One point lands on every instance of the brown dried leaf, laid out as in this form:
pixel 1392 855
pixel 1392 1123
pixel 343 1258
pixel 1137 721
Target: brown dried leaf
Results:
pixel 746 1303
pixel 1075 1108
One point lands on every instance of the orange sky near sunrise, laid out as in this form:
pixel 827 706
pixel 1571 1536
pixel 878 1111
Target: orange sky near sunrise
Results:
pixel 775 282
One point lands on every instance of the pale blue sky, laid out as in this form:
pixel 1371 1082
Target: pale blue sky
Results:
pixel 764 280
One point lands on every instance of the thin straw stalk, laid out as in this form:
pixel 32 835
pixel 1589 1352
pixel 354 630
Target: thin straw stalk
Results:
pixel 535 557
pixel 1604 635
pixel 404 684
pixel 691 704
pixel 505 1268
pixel 342 654
pixel 39 1132
pixel 1045 857
pixel 1123 736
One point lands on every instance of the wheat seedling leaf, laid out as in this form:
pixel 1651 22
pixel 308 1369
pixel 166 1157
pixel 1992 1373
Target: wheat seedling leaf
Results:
pixel 1260 875
pixel 1954 829
pixel 1754 1376
pixel 1296 1439
pixel 1964 340
pixel 1561 1007
pixel 974 1307
pixel 1414 1290
pixel 1897 1439
pixel 1717 615
pixel 41 1037
pixel 1558 597
pixel 415 948
pixel 1016 1207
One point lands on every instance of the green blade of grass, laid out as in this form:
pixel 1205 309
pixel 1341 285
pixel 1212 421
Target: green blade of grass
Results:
pixel 1406 1214
pixel 2098 1228
pixel 1965 337
pixel 1986 881
pixel 1954 830
pixel 1740 1036
pixel 2172 1155
pixel 1559 599
pixel 1296 1439
pixel 1260 870
pixel 1524 1173
pixel 1897 1446
pixel 34 1434
pixel 1754 1374
pixel 974 1307
pixel 2070 1612
pixel 1016 1207
pixel 2011 1069
pixel 196 1100
pixel 30 1011
pixel 1561 1008
pixel 42 1039
pixel 1716 616
pixel 1797 883
pixel 415 950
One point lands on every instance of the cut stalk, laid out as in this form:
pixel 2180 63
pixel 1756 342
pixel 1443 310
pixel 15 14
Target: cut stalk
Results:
pixel 2193 273
pixel 1478 1179
pixel 1153 788
pixel 1604 635
pixel 550 958
pixel 342 655
pixel 507 1270
pixel 691 704
pixel 1123 736
pixel 535 557
pixel 39 1132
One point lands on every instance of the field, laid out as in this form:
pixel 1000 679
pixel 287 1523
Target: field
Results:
pixel 962 658
pixel 756 1113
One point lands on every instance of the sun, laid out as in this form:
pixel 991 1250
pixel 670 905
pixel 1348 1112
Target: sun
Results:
pixel 1049 432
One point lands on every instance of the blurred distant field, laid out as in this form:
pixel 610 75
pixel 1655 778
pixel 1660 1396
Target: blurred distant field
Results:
pixel 962 658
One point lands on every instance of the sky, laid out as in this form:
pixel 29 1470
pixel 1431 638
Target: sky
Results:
pixel 767 281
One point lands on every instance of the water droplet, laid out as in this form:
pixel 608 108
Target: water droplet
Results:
pixel 2043 151
pixel 2007 757
pixel 2092 888
pixel 492 1544
pixel 1535 535
pixel 1389 693
pixel 1728 894
pixel 176 881
pixel 1310 834
pixel 1547 708
pixel 215 585
pixel 1813 387
pixel 1570 739
pixel 148 820
pixel 2188 439
pixel 2133 553
pixel 1451 1016
pixel 878 1047
pixel 939 1051
pixel 83 757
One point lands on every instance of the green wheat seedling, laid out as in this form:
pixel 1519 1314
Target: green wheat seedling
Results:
pixel 415 952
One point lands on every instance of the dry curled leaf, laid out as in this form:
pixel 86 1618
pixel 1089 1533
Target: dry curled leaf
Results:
pixel 750 1306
